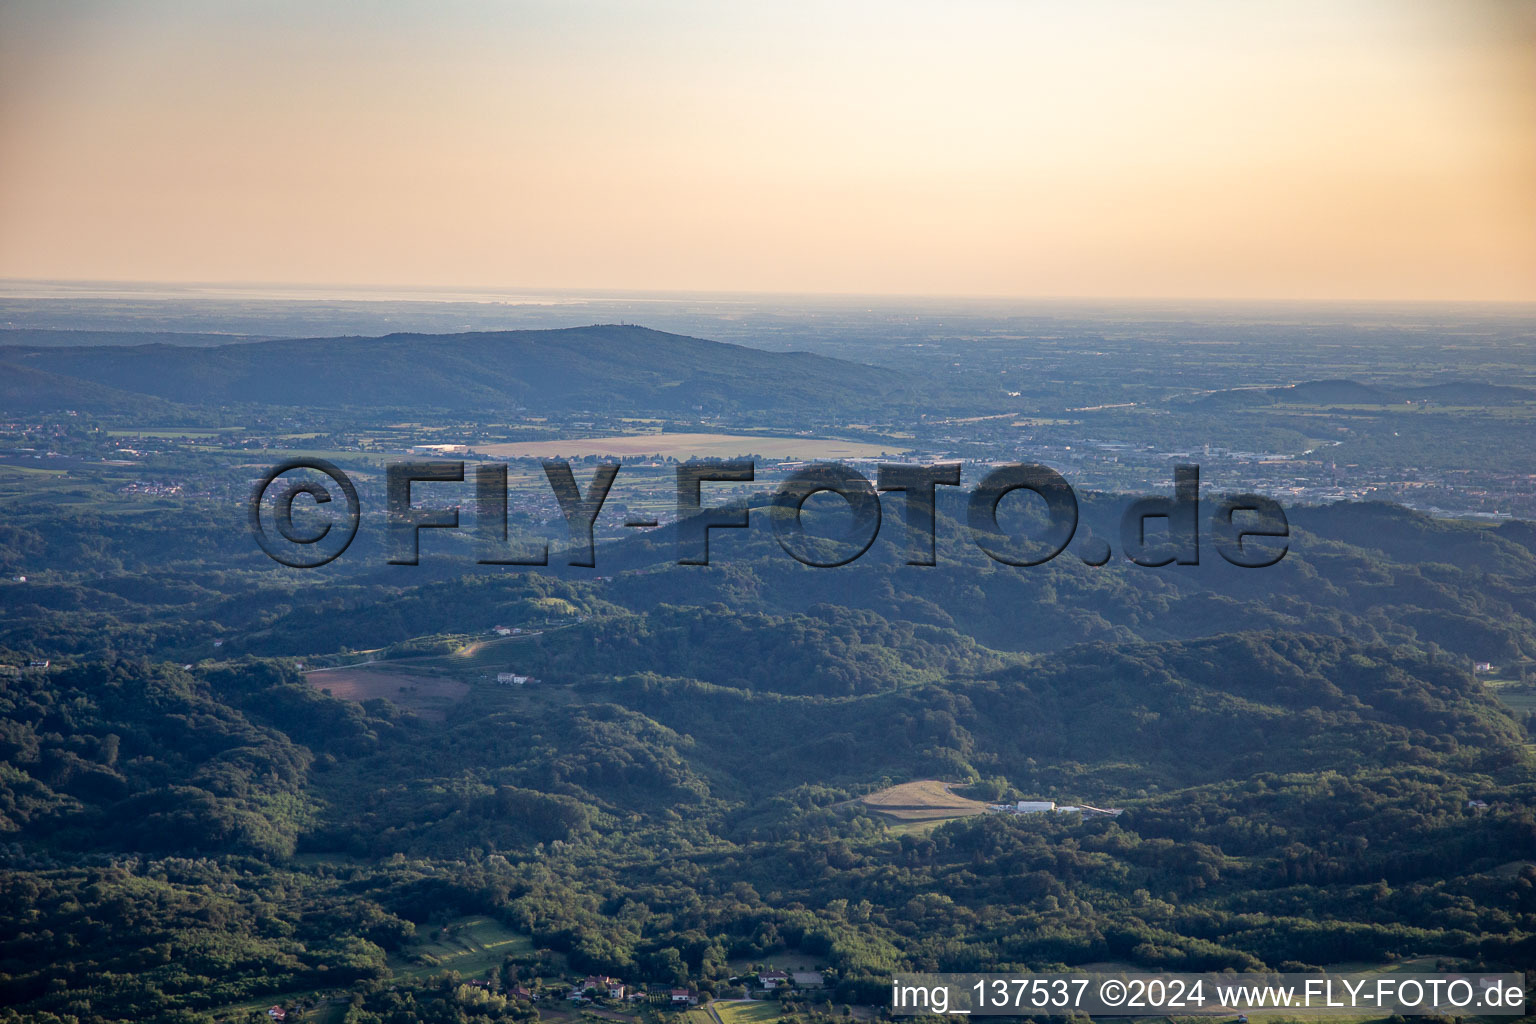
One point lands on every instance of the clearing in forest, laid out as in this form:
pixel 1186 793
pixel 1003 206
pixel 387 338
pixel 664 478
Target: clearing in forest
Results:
pixel 927 800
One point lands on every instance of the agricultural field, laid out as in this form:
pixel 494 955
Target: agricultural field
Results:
pixel 473 946
pixel 499 655
pixel 26 482
pixel 785 960
pixel 430 696
pixel 174 432
pixel 1515 696
pixel 345 457
pixel 924 801
pixel 687 446
pixel 747 1011
pixel 329 1007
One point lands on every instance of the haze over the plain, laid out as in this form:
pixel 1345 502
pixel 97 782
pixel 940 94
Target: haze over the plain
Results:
pixel 1312 150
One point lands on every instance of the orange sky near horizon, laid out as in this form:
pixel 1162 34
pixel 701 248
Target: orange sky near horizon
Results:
pixel 1324 149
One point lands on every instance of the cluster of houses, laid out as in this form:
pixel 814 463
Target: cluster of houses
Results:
pixel 513 678
pixel 1051 807
pixel 145 487
pixel 599 986
pixel 613 988
pixel 516 991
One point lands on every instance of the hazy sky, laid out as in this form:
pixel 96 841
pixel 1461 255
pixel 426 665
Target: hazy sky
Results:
pixel 1335 149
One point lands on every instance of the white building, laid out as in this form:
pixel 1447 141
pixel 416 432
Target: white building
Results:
pixel 1034 806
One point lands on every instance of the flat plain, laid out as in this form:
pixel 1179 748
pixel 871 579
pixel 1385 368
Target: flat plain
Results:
pixel 686 446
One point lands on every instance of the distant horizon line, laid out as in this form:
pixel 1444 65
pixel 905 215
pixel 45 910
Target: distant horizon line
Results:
pixel 426 292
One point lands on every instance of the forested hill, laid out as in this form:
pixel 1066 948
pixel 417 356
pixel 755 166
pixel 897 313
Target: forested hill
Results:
pixel 181 841
pixel 687 783
pixel 1370 572
pixel 594 368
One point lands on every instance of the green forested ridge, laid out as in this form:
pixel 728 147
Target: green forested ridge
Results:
pixel 125 584
pixel 640 793
pixel 1294 751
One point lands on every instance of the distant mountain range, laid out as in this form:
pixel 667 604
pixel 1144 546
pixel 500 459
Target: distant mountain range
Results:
pixel 48 337
pixel 602 368
pixel 584 368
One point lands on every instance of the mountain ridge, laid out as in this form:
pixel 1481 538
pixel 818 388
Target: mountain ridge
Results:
pixel 565 369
